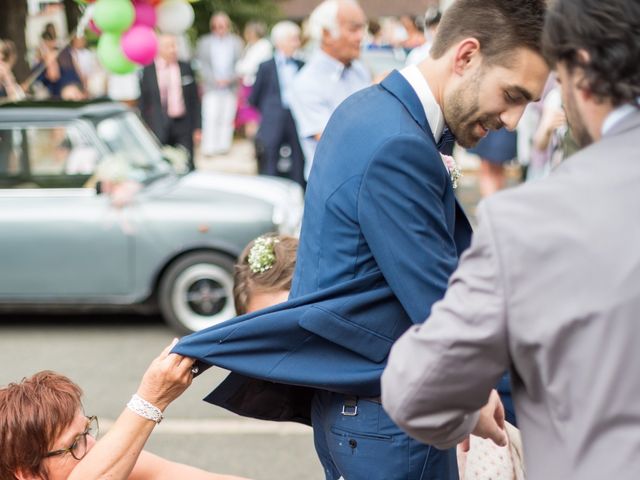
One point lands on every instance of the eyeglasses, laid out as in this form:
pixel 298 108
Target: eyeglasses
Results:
pixel 78 448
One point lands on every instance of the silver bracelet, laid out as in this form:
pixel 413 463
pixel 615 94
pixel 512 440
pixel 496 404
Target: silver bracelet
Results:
pixel 140 406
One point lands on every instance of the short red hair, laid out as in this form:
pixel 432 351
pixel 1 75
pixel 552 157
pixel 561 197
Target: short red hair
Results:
pixel 33 413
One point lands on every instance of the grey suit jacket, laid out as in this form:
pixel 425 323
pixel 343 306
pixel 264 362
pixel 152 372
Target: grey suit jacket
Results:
pixel 551 289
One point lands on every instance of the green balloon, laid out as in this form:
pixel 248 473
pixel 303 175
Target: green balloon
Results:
pixel 113 16
pixel 111 56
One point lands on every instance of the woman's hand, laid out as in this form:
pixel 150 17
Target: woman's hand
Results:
pixel 168 376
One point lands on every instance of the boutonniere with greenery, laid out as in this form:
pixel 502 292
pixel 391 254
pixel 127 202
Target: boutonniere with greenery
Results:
pixel 452 167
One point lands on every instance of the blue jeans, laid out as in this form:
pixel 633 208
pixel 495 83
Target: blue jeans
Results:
pixel 369 446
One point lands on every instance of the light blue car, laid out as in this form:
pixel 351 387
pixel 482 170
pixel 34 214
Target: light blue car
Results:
pixel 93 217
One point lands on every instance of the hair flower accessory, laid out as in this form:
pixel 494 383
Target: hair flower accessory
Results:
pixel 261 256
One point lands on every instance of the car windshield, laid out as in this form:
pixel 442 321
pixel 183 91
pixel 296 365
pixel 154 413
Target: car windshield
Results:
pixel 131 144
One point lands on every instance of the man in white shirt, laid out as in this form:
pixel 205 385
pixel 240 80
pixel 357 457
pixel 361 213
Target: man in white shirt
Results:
pixel 332 73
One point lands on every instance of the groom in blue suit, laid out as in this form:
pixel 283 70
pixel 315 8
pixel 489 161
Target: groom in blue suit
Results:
pixel 381 234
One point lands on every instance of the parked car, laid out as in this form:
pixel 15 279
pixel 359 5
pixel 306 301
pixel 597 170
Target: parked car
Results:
pixel 93 217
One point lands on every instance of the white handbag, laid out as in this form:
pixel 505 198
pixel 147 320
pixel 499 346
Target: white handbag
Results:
pixel 487 461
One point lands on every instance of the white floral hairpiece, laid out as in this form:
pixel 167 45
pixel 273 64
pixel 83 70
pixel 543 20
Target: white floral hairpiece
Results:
pixel 261 256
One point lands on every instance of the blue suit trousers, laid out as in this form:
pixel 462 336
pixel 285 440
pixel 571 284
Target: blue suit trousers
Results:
pixel 369 446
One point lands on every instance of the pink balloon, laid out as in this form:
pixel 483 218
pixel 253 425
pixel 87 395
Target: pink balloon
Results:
pixel 145 15
pixel 94 28
pixel 140 44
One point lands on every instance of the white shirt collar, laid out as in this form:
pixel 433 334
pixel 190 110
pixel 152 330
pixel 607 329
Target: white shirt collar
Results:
pixel 616 116
pixel 432 110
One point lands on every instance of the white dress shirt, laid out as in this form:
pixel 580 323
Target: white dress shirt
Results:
pixel 287 70
pixel 617 115
pixel 432 110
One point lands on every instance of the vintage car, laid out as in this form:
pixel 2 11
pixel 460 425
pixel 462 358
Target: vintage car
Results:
pixel 93 216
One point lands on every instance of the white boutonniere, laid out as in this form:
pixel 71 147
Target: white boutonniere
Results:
pixel 452 167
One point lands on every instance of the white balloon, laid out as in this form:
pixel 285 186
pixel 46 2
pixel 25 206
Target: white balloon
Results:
pixel 174 16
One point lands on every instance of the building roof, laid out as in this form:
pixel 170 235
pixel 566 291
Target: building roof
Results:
pixel 298 9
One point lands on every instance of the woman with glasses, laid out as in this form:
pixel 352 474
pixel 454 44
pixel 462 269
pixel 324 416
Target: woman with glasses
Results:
pixel 45 435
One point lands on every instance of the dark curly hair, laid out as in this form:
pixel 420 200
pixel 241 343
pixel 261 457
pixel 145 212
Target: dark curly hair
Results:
pixel 609 31
pixel 501 26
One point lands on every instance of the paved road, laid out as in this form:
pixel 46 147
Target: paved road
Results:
pixel 107 356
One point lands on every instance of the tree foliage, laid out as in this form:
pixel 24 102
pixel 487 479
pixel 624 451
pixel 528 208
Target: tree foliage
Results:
pixel 240 11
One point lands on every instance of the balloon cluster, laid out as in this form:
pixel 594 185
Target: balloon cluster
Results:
pixel 127 29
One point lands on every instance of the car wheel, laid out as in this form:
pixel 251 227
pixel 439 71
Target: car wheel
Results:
pixel 196 291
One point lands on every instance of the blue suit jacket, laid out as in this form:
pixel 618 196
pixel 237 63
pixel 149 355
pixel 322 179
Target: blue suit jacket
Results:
pixel 381 234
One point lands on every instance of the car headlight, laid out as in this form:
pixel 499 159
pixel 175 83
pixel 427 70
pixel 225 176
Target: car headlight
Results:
pixel 287 214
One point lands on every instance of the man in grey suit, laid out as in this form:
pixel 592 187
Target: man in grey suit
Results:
pixel 551 284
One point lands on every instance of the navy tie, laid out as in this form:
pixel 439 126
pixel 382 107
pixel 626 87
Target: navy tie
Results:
pixel 447 141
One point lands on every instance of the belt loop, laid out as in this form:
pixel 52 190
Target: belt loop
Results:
pixel 350 407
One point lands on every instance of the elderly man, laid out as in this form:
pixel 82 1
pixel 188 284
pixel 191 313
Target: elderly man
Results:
pixel 332 73
pixel 217 55
pixel 551 285
pixel 271 96
pixel 169 101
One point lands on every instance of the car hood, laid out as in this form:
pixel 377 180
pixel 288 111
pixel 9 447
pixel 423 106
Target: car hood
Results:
pixel 285 196
pixel 269 189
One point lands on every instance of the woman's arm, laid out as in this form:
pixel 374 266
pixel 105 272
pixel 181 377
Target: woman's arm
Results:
pixel 152 467
pixel 115 455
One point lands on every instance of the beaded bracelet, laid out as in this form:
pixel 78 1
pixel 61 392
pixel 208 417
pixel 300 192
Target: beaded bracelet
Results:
pixel 141 407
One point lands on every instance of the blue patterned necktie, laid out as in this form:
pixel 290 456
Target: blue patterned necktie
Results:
pixel 446 143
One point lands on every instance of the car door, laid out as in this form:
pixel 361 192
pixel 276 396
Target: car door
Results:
pixel 60 240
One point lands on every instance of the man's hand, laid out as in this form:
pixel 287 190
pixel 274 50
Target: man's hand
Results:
pixel 491 423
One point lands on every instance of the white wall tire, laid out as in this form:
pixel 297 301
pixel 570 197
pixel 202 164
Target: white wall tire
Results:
pixel 196 291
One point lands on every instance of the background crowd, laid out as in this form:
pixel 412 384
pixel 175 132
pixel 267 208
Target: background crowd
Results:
pixel 275 85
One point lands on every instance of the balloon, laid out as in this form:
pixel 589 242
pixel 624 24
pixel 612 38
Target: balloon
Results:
pixel 174 16
pixel 145 15
pixel 113 16
pixel 140 44
pixel 111 56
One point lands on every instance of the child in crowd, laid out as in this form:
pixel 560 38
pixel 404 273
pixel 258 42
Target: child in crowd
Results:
pixel 264 271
